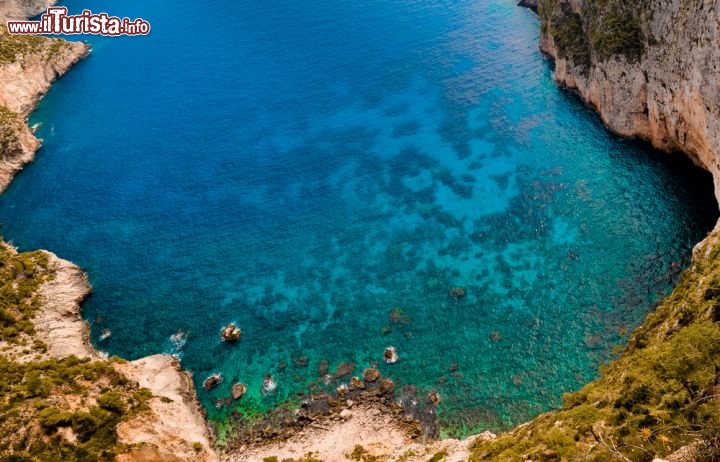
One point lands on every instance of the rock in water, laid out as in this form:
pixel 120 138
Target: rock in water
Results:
pixel 238 390
pixel 344 369
pixel 390 355
pixel 212 381
pixel 457 292
pixel 371 374
pixel 434 398
pixel 387 385
pixel 231 333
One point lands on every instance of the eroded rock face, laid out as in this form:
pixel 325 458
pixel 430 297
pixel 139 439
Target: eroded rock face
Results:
pixel 23 81
pixel 175 423
pixel 668 92
pixel 58 323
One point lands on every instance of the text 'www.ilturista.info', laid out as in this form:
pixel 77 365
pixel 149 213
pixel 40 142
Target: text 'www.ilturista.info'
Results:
pixel 57 21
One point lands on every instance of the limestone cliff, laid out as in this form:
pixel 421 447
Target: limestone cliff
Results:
pixel 28 65
pixel 649 67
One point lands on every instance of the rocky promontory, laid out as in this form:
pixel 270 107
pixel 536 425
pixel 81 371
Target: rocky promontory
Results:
pixel 28 66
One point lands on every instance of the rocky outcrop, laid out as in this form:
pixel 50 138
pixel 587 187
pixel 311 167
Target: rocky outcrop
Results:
pixel 58 323
pixel 24 79
pixel 175 427
pixel 649 68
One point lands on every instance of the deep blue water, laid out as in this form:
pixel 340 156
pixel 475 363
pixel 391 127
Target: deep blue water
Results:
pixel 304 168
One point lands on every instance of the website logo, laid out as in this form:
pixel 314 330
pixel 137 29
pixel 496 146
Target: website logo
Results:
pixel 56 21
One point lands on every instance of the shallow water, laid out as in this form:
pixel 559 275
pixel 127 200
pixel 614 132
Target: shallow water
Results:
pixel 324 174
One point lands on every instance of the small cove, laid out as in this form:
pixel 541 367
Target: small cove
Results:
pixel 324 175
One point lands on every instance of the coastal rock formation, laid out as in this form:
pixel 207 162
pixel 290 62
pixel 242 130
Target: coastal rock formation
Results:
pixel 649 68
pixel 371 374
pixel 175 428
pixel 58 323
pixel 390 355
pixel 24 79
pixel 212 381
pixel 238 390
pixel 230 333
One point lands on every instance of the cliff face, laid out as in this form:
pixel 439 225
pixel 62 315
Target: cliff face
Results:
pixel 28 65
pixel 649 67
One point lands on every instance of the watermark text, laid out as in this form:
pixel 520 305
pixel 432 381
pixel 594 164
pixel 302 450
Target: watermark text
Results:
pixel 56 21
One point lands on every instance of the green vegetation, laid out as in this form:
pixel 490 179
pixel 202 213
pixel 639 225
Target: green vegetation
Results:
pixel 361 454
pixel 20 277
pixel 14 46
pixel 601 30
pixel 615 28
pixel 64 409
pixel 660 395
pixel 10 124
pixel 570 37
pixel 53 409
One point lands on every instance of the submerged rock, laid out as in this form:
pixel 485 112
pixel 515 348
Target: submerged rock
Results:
pixel 231 333
pixel 106 334
pixel 212 381
pixel 390 355
pixel 344 369
pixel 238 390
pixel 371 374
pixel 457 292
pixel 323 367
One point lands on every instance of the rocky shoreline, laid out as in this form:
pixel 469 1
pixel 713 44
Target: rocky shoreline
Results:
pixel 175 427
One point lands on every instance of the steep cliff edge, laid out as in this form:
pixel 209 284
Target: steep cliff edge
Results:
pixel 28 65
pixel 649 67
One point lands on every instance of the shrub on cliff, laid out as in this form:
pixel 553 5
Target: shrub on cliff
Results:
pixel 37 416
pixel 600 30
pixel 570 38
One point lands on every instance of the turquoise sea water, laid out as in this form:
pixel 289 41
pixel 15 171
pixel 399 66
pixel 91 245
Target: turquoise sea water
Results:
pixel 323 173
